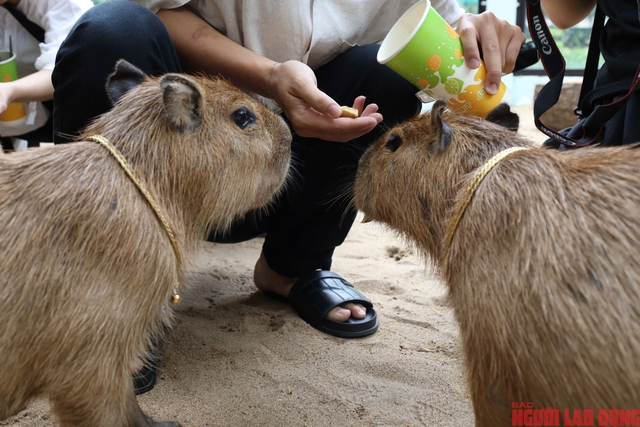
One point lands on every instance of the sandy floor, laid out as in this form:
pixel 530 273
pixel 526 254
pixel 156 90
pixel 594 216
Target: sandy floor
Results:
pixel 239 358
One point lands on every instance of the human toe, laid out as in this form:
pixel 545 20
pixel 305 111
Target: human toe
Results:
pixel 339 314
pixel 344 312
pixel 357 311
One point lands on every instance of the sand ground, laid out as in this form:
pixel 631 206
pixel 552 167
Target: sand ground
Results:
pixel 239 358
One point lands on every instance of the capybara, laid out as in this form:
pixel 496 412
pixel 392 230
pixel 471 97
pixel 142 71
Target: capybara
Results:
pixel 542 271
pixel 87 268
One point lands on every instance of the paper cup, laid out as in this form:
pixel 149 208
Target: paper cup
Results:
pixel 427 52
pixel 15 114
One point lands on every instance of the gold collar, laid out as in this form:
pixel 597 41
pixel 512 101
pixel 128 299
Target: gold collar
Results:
pixel 473 186
pixel 175 298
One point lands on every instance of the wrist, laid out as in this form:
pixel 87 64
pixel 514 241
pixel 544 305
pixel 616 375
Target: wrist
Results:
pixel 269 84
pixel 7 93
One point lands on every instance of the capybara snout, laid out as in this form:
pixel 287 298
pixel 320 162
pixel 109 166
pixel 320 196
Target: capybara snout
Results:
pixel 538 249
pixel 204 123
pixel 409 177
pixel 90 246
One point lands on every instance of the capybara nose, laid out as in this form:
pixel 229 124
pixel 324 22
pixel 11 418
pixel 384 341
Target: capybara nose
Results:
pixel 393 142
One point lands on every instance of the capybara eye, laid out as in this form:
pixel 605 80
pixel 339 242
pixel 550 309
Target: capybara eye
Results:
pixel 393 143
pixel 243 117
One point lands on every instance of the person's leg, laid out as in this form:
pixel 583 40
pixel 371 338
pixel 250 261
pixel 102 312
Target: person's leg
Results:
pixel 113 30
pixel 312 216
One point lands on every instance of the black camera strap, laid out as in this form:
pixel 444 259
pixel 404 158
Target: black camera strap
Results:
pixel 34 29
pixel 555 65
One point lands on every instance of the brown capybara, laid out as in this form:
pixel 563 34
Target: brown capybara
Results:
pixel 542 272
pixel 87 268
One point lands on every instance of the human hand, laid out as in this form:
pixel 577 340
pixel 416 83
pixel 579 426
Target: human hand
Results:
pixel 498 40
pixel 313 113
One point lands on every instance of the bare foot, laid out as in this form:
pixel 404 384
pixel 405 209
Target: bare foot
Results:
pixel 268 280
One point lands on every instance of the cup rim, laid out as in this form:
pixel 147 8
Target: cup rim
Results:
pixel 10 57
pixel 382 59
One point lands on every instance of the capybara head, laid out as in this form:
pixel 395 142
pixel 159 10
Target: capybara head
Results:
pixel 409 178
pixel 225 153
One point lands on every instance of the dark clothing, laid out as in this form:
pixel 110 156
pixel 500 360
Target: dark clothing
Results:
pixel 620 48
pixel 105 33
pixel 620 40
pixel 312 216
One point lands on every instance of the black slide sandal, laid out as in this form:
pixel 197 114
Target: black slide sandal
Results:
pixel 317 293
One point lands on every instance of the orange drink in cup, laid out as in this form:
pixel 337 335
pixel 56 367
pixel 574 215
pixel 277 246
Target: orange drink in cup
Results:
pixel 15 114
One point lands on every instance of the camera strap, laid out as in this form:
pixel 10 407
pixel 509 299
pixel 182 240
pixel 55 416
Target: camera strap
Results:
pixel 555 66
pixel 34 29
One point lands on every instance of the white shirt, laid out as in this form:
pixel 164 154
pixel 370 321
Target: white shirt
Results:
pixel 311 31
pixel 56 17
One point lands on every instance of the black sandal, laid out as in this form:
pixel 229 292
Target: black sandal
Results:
pixel 317 293
pixel 145 379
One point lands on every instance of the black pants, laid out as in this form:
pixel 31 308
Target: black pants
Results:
pixel 306 223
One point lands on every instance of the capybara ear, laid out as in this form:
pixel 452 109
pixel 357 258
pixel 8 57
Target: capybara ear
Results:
pixel 124 78
pixel 441 131
pixel 503 116
pixel 183 101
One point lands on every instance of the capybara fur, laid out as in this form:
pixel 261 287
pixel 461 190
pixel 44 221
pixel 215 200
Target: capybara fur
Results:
pixel 543 273
pixel 86 267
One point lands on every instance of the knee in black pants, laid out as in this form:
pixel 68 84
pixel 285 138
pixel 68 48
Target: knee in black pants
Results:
pixel 118 29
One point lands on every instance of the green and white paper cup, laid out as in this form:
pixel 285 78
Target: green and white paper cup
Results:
pixel 427 52
pixel 15 114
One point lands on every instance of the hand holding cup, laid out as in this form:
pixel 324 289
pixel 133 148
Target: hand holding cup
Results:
pixel 424 49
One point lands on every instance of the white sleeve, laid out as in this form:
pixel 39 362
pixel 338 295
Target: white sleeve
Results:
pixel 155 5
pixel 450 11
pixel 56 17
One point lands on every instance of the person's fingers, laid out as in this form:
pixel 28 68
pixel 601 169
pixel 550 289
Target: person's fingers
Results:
pixel 312 124
pixel 371 110
pixel 498 41
pixel 314 114
pixel 347 128
pixel 510 38
pixel 315 98
pixel 492 53
pixel 295 86
pixel 512 51
pixel 469 39
pixel 342 129
pixel 358 104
